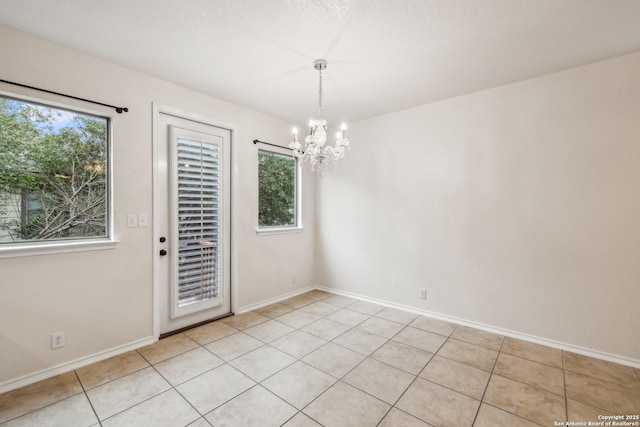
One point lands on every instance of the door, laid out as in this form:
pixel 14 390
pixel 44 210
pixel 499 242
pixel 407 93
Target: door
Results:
pixel 193 222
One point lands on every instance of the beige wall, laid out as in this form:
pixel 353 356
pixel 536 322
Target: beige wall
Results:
pixel 103 299
pixel 516 208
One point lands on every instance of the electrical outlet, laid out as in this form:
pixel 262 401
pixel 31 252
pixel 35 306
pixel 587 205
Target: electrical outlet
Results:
pixel 294 279
pixel 423 293
pixel 57 340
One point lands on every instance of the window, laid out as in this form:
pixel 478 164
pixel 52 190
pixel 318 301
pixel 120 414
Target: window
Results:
pixel 277 190
pixel 54 179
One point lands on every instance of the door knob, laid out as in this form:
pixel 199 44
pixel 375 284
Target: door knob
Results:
pixel 163 252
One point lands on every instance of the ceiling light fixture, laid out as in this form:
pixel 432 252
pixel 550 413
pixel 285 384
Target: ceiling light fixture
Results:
pixel 315 151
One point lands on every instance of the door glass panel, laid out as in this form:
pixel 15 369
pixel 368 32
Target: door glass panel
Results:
pixel 194 205
pixel 198 213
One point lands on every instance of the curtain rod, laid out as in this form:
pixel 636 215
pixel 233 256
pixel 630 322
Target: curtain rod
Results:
pixel 257 141
pixel 119 110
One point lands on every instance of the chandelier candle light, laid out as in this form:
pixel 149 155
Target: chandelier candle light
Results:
pixel 315 150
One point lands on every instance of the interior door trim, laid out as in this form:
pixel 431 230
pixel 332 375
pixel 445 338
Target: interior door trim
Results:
pixel 158 109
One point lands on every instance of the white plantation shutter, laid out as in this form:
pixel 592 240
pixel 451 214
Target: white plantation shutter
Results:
pixel 197 212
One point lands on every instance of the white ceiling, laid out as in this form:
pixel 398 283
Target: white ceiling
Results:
pixel 384 55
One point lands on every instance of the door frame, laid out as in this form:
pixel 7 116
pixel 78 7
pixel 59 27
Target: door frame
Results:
pixel 158 109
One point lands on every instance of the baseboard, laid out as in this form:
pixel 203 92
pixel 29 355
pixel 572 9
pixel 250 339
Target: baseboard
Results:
pixel 496 330
pixel 75 364
pixel 97 357
pixel 274 300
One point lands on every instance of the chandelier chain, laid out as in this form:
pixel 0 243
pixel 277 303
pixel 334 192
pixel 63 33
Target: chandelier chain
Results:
pixel 320 96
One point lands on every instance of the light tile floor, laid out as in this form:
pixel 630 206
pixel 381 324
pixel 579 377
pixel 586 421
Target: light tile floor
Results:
pixel 326 360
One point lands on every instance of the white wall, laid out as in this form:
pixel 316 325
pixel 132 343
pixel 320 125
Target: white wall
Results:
pixel 516 207
pixel 103 299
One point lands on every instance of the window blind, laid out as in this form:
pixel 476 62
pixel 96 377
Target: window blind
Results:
pixel 199 199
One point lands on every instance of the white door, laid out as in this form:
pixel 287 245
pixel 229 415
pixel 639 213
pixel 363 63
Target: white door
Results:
pixel 193 222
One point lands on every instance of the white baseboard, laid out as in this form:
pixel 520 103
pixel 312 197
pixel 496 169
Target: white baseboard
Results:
pixel 75 364
pixel 622 360
pixel 275 299
pixel 97 357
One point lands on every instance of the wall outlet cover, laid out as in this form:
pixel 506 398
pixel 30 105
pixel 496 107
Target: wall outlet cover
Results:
pixel 58 339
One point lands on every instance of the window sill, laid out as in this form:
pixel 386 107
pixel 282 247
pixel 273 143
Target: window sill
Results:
pixel 278 230
pixel 56 248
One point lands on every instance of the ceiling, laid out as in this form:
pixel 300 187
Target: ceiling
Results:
pixel 383 55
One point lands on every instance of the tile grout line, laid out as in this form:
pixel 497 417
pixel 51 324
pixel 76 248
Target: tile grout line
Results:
pixel 300 411
pixel 282 399
pixel 226 401
pixel 273 374
pixel 176 389
pixel 385 414
pixel 564 385
pixel 418 376
pixel 479 345
pixel 502 350
pixel 586 403
pixel 53 403
pixel 84 391
pixel 144 400
pixel 610 382
pixel 493 368
pixel 520 382
pixel 533 360
pixel 225 362
pixel 457 361
pixel 338 380
pixel 200 374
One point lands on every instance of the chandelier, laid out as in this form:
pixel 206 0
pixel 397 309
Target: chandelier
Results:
pixel 315 150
